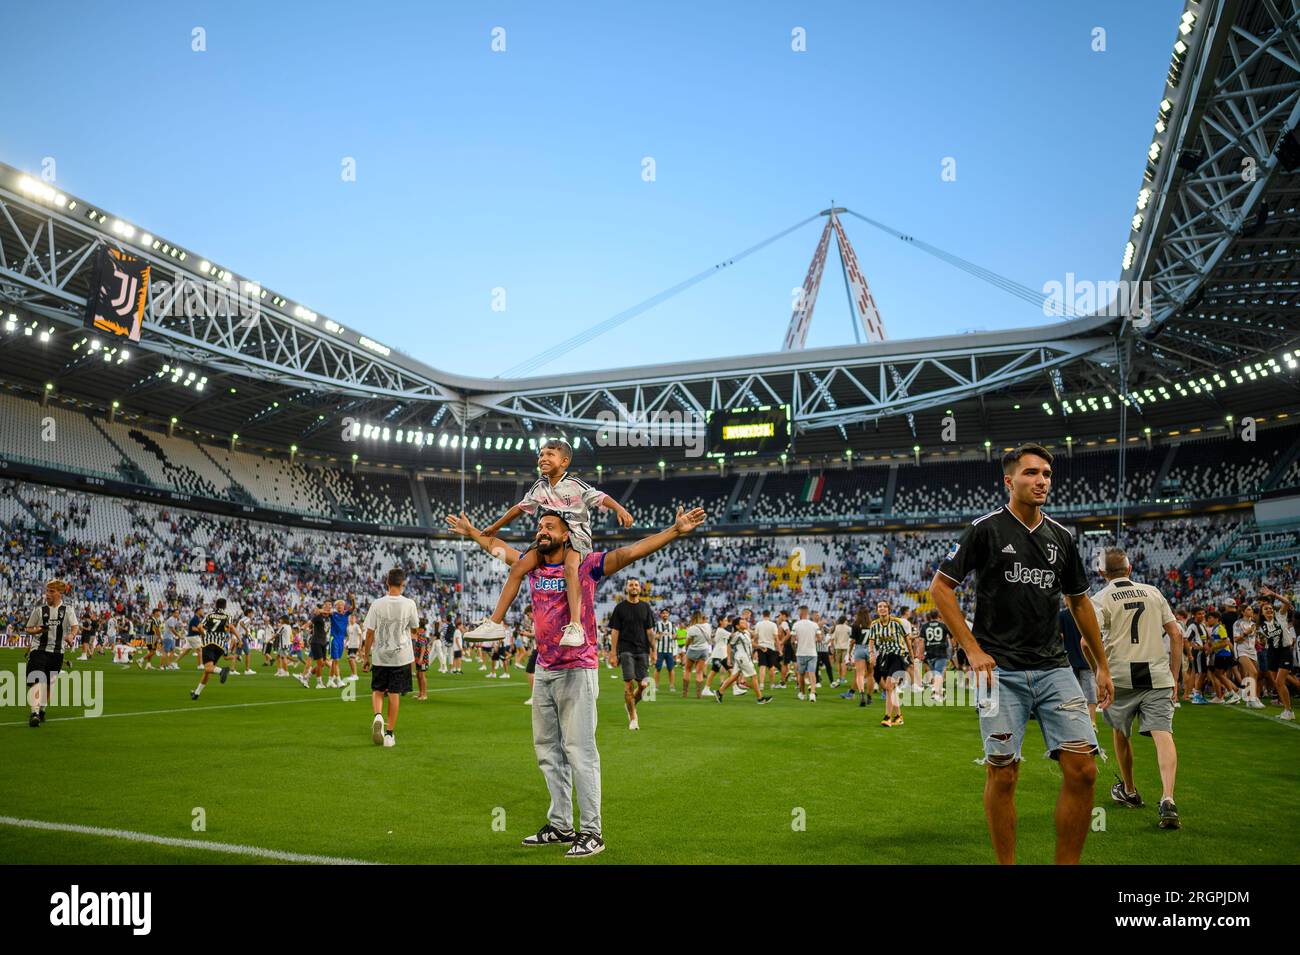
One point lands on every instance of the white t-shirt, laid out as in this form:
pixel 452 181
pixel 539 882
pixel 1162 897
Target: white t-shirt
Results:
pixel 765 635
pixel 392 618
pixel 840 636
pixel 354 635
pixel 1243 638
pixel 720 638
pixel 805 638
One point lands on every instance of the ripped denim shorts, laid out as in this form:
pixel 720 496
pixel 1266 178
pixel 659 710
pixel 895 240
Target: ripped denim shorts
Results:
pixel 1053 697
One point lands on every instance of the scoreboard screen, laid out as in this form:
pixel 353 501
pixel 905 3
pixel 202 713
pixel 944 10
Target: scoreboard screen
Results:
pixel 744 431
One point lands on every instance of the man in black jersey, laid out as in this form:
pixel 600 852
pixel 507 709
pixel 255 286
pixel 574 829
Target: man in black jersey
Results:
pixel 1024 561
pixel 214 632
pixel 320 624
pixel 935 637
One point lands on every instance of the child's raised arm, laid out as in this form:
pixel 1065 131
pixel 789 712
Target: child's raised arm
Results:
pixel 492 529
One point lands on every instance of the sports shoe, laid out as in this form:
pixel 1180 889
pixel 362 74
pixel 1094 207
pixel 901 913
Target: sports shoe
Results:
pixel 764 699
pixel 633 725
pixel 225 672
pixel 1288 716
pixel 1118 794
pixel 799 696
pixel 585 845
pixel 1198 698
pixel 548 835
pixel 492 676
pixel 486 632
pixel 847 695
pixel 707 692
pixel 777 686
pixel 719 696
pixel 1232 698
pixel 868 699
pixel 194 694
pixel 528 702
pixel 504 676
pixel 573 635
pixel 1169 815
pixel 862 701
pixel 250 673
pixel 389 740
pixel 812 697
pixel 35 719
pixel 898 720
pixel 887 722
pixel 737 691
pixel 377 729
pixel 302 678
pixel 1254 705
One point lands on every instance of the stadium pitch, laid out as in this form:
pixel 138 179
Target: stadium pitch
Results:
pixel 262 770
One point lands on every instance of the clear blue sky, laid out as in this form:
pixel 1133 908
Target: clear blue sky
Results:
pixel 523 169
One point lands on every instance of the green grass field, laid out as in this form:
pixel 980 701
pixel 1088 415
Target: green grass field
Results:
pixel 278 767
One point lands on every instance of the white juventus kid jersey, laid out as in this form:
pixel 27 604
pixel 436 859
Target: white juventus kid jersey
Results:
pixel 1132 619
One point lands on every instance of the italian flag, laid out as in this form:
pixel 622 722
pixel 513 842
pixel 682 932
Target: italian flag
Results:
pixel 812 489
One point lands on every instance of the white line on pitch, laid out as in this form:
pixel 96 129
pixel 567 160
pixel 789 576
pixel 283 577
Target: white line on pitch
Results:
pixel 226 847
pixel 238 706
pixel 1289 724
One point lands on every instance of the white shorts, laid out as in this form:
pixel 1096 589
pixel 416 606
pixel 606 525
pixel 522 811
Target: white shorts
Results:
pixel 194 643
pixel 743 665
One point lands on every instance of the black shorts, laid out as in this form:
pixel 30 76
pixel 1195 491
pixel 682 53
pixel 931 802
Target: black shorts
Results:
pixel 1199 664
pixel 318 651
pixel 212 653
pixel 787 652
pixel 390 679
pixel 1224 663
pixel 532 662
pixel 720 664
pixel 352 651
pixel 767 658
pixel 43 665
pixel 889 665
pixel 1279 658
pixel 635 666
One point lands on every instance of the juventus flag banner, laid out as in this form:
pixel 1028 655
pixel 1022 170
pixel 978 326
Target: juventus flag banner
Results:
pixel 119 288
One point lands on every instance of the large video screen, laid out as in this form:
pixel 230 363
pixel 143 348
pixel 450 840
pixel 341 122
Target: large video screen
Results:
pixel 744 431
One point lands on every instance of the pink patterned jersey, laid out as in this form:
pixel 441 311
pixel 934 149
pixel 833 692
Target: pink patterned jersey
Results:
pixel 551 613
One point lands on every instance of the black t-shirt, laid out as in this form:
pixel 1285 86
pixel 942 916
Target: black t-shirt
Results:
pixel 633 621
pixel 1020 575
pixel 935 635
pixel 319 627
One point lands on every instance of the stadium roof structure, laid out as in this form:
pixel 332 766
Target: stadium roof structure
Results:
pixel 1214 255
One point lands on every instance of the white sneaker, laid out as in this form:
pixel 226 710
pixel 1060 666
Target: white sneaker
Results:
pixel 706 692
pixel 504 676
pixel 148 666
pixel 353 678
pixel 528 702
pixel 573 636
pixel 1287 715
pixel 491 676
pixel 199 667
pixel 82 657
pixel 250 673
pixel 633 725
pixel 486 632
pixel 303 680
pixel 1254 705
pixel 737 691
pixel 812 697
pixel 377 729
pixel 320 685
pixel 799 695
pixel 1232 698
pixel 389 740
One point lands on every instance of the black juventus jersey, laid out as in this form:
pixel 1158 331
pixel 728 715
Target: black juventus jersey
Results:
pixel 214 629
pixel 1020 575
pixel 935 634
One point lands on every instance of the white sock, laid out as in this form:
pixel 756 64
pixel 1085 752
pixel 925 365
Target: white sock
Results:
pixel 198 689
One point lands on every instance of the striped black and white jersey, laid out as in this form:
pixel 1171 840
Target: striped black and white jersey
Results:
pixel 57 625
pixel 890 636
pixel 1132 618
pixel 215 629
pixel 665 637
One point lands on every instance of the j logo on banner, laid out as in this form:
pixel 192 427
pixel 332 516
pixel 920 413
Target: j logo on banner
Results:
pixel 119 290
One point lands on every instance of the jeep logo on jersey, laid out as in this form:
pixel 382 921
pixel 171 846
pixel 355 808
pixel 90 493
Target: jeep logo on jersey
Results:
pixel 548 583
pixel 1026 575
pixel 1051 553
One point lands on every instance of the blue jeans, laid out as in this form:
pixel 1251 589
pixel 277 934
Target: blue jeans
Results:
pixel 1053 697
pixel 564 737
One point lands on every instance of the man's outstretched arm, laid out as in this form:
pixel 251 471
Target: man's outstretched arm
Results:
pixel 686 522
pixel 494 546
